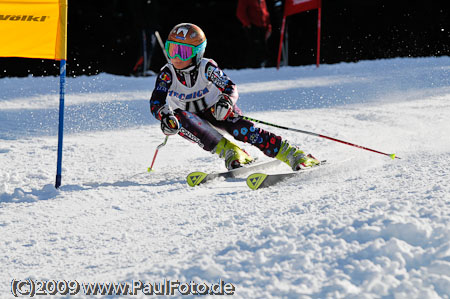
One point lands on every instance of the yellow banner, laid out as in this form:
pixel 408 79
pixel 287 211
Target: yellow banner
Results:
pixel 33 28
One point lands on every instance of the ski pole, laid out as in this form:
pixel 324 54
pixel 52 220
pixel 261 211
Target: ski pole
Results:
pixel 150 169
pixel 392 156
pixel 158 37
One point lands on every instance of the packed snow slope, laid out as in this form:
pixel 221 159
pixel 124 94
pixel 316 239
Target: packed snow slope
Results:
pixel 365 226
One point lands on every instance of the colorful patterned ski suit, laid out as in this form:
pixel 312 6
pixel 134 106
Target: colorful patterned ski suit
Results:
pixel 192 92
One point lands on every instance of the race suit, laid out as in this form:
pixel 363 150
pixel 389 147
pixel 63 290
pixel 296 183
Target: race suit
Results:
pixel 192 92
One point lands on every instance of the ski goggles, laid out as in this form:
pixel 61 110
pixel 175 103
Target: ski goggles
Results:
pixel 183 51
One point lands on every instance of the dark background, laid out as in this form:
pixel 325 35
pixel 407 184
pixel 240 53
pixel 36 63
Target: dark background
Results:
pixel 106 35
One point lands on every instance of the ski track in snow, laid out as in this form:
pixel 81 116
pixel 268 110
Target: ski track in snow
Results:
pixel 367 228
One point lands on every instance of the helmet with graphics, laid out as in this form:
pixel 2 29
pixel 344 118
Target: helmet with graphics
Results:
pixel 186 41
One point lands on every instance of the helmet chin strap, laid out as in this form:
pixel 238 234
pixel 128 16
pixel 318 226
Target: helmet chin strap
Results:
pixel 189 73
pixel 189 68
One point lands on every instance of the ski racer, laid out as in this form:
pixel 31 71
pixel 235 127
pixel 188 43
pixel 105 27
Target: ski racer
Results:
pixel 193 97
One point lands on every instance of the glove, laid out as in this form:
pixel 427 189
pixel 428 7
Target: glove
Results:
pixel 169 123
pixel 223 108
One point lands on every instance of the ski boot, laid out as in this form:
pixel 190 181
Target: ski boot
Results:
pixel 234 156
pixel 295 157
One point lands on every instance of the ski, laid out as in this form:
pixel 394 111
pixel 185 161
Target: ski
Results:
pixel 196 178
pixel 261 180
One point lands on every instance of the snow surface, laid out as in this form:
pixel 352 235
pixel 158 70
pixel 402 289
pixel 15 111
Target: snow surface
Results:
pixel 369 227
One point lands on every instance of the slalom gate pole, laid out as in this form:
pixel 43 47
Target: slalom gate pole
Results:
pixel 150 169
pixel 392 156
pixel 62 82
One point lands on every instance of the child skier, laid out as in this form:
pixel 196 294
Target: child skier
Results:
pixel 193 97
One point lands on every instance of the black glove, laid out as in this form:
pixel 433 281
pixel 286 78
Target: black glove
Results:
pixel 169 123
pixel 223 108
